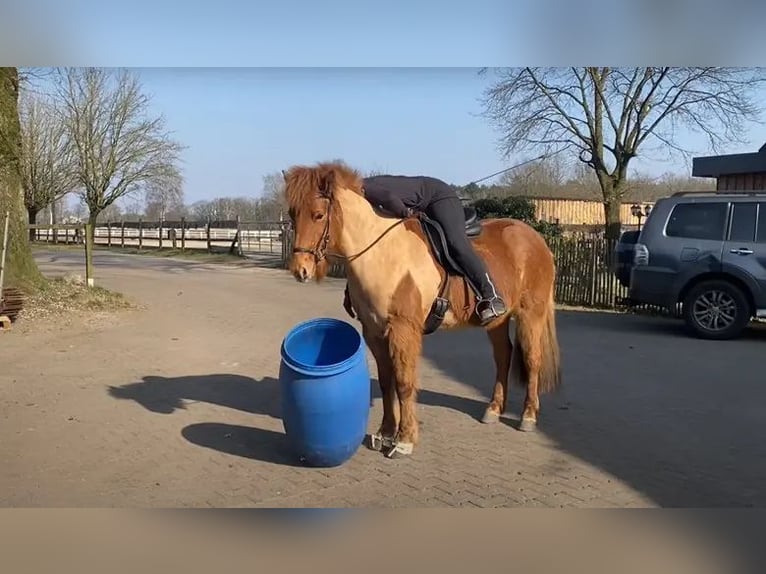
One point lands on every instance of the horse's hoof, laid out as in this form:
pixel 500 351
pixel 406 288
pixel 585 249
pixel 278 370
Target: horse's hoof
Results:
pixel 527 425
pixel 490 417
pixel 398 450
pixel 378 442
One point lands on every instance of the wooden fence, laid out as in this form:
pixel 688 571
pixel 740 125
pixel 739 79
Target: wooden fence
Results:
pixel 209 235
pixel 584 271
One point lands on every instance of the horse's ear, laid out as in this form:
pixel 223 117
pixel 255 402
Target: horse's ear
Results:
pixel 284 175
pixel 327 184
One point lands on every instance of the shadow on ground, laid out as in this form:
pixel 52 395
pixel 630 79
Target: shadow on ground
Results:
pixel 166 395
pixel 679 419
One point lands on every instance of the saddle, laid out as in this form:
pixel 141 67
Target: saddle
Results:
pixel 438 243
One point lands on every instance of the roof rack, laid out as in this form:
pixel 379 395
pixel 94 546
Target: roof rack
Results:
pixel 720 192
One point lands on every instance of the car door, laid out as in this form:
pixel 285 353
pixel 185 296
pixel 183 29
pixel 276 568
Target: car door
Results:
pixel 744 253
pixel 760 256
pixel 694 237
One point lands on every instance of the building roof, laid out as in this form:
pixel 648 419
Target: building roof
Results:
pixel 732 164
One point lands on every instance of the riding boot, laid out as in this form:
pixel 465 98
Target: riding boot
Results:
pixel 490 304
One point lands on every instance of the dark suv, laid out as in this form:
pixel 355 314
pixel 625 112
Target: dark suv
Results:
pixel 706 251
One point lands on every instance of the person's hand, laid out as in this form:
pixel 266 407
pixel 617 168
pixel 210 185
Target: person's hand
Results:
pixel 347 304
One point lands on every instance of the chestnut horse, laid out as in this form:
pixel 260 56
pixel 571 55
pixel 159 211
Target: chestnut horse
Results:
pixel 396 280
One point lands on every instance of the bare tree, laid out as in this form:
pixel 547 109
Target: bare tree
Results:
pixel 119 147
pixel 164 198
pixel 47 162
pixel 272 205
pixel 535 179
pixel 608 115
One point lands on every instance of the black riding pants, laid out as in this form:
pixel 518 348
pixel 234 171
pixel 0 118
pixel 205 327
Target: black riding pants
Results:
pixel 448 211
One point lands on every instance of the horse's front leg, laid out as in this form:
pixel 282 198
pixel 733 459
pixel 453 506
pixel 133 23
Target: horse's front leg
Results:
pixel 389 426
pixel 405 340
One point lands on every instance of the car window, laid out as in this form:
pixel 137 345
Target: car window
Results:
pixel 760 234
pixel 743 222
pixel 698 221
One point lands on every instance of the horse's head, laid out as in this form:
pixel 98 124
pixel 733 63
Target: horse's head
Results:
pixel 315 214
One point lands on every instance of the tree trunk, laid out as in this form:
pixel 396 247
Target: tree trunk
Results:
pixel 612 217
pixel 32 219
pixel 21 269
pixel 92 218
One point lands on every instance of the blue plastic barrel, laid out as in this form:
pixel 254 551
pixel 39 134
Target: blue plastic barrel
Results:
pixel 325 391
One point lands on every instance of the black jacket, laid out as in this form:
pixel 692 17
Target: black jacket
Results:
pixel 398 194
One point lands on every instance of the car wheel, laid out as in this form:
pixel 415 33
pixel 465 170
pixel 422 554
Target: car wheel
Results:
pixel 716 310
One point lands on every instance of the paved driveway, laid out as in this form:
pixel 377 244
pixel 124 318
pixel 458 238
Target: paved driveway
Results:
pixel 177 405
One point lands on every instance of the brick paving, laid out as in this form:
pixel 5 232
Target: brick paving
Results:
pixel 177 405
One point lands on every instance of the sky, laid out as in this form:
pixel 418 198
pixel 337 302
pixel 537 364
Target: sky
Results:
pixel 240 124
pixel 254 87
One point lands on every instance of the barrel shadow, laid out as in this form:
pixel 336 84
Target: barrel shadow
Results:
pixel 243 441
pixel 166 395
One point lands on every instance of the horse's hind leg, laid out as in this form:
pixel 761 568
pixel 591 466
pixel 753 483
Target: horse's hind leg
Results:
pixel 502 349
pixel 529 337
pixel 389 426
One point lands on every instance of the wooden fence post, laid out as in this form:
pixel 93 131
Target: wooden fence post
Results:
pixel 239 236
pixel 108 234
pixel 140 233
pixel 160 233
pixel 207 233
pixel 593 271
pixel 122 234
pixel 89 255
pixel 183 234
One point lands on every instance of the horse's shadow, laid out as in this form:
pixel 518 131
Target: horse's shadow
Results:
pixel 165 395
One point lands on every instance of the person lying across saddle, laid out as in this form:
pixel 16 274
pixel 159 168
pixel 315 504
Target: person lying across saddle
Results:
pixel 408 196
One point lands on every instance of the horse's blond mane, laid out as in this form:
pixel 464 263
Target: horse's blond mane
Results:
pixel 303 183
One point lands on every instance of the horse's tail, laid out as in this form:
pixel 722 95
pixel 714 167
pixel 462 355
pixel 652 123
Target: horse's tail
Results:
pixel 550 368
pixel 548 346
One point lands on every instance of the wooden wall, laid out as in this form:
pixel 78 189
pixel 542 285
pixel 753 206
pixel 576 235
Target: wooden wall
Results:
pixel 742 182
pixel 580 212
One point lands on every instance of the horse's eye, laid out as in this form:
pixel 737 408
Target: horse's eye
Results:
pixel 318 216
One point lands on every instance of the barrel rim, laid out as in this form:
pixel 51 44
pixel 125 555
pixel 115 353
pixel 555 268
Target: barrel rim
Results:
pixel 324 370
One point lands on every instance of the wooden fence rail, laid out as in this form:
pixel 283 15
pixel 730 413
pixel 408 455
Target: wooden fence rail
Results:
pixel 584 271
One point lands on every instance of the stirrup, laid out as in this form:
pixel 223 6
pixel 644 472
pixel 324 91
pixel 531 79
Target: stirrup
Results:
pixel 489 304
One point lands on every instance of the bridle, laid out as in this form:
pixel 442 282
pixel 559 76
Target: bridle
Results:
pixel 320 252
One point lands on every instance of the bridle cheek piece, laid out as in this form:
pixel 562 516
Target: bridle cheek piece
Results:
pixel 319 252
